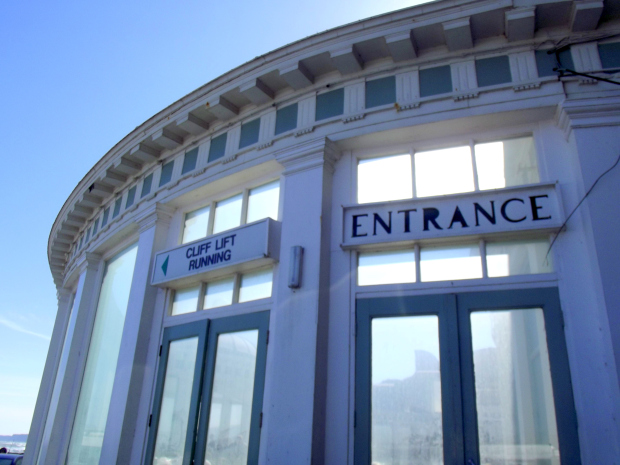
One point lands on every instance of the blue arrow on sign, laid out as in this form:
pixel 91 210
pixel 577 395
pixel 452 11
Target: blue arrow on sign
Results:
pixel 164 267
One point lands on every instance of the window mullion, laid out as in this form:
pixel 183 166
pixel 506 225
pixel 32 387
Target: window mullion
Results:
pixel 414 191
pixel 472 151
pixel 244 206
pixel 212 206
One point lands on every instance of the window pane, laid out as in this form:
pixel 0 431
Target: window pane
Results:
pixel 131 195
pixel 518 257
pixel 386 267
pixel 227 214
pixel 406 391
pixel 219 293
pixel 329 104
pixel 230 412
pixel 166 173
pixel 100 371
pixel 176 399
pixel 506 163
pixel 286 119
pixel 385 178
pixel 185 300
pixel 450 263
pixel 196 224
pixel 146 185
pixel 514 398
pixel 189 162
pixel 256 285
pixel 263 202
pixel 445 171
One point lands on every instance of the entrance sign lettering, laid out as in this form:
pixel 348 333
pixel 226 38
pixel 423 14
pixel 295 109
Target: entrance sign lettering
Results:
pixel 240 245
pixel 505 210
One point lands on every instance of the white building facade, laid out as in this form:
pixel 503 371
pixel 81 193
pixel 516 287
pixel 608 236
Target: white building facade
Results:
pixel 389 243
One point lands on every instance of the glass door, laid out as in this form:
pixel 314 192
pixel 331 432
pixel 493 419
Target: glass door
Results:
pixel 209 392
pixel 473 378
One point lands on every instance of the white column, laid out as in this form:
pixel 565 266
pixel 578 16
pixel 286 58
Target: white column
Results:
pixel 294 402
pixel 123 421
pixel 85 306
pixel 42 413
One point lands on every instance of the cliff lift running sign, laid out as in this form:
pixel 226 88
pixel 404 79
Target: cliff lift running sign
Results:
pixel 246 243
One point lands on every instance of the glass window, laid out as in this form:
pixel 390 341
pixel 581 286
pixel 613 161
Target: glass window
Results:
pixel 386 267
pixel 385 178
pixel 176 401
pixel 189 161
pixel 117 207
pixel 610 55
pixel 230 410
pixel 131 195
pixel 95 226
pixel 227 214
pixel 381 92
pixel 445 171
pixel 219 293
pixel 166 173
pixel 435 81
pixel 218 147
pixel 329 104
pixel 146 185
pixel 263 202
pixel 99 373
pixel 406 408
pixel 506 163
pixel 249 133
pixel 493 71
pixel 518 257
pixel 256 285
pixel 514 396
pixel 104 218
pixel 450 263
pixel 196 223
pixel 286 118
pixel 546 62
pixel 185 300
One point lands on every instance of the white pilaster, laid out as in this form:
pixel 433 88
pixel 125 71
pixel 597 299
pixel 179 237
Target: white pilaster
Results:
pixel 354 101
pixel 408 90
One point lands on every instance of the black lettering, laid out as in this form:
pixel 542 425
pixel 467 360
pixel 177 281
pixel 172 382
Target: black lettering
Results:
pixel 458 217
pixel 232 236
pixel 192 264
pixel 387 227
pixel 505 215
pixel 536 207
pixel 479 209
pixel 430 216
pixel 357 225
pixel 227 255
pixel 407 219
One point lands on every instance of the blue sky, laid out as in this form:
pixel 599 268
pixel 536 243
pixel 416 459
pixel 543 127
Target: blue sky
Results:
pixel 75 78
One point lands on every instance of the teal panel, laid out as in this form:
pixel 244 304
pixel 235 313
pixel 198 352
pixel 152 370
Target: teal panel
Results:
pixel 493 71
pixel 95 226
pixel 104 218
pixel 610 55
pixel 117 207
pixel 249 133
pixel 545 62
pixel 435 81
pixel 189 161
pixel 329 104
pixel 218 147
pixel 286 118
pixel 381 92
pixel 146 185
pixel 131 196
pixel 166 173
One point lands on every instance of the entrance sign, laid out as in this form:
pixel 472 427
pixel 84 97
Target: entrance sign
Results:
pixel 248 243
pixel 513 209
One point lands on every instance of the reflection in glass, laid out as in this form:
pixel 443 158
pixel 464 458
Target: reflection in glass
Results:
pixel 450 263
pixel 256 285
pixel 185 300
pixel 196 224
pixel 100 370
pixel 386 267
pixel 176 399
pixel 445 171
pixel 230 411
pixel 518 257
pixel 227 214
pixel 219 293
pixel 514 398
pixel 263 202
pixel 406 391
pixel 385 178
pixel 506 163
